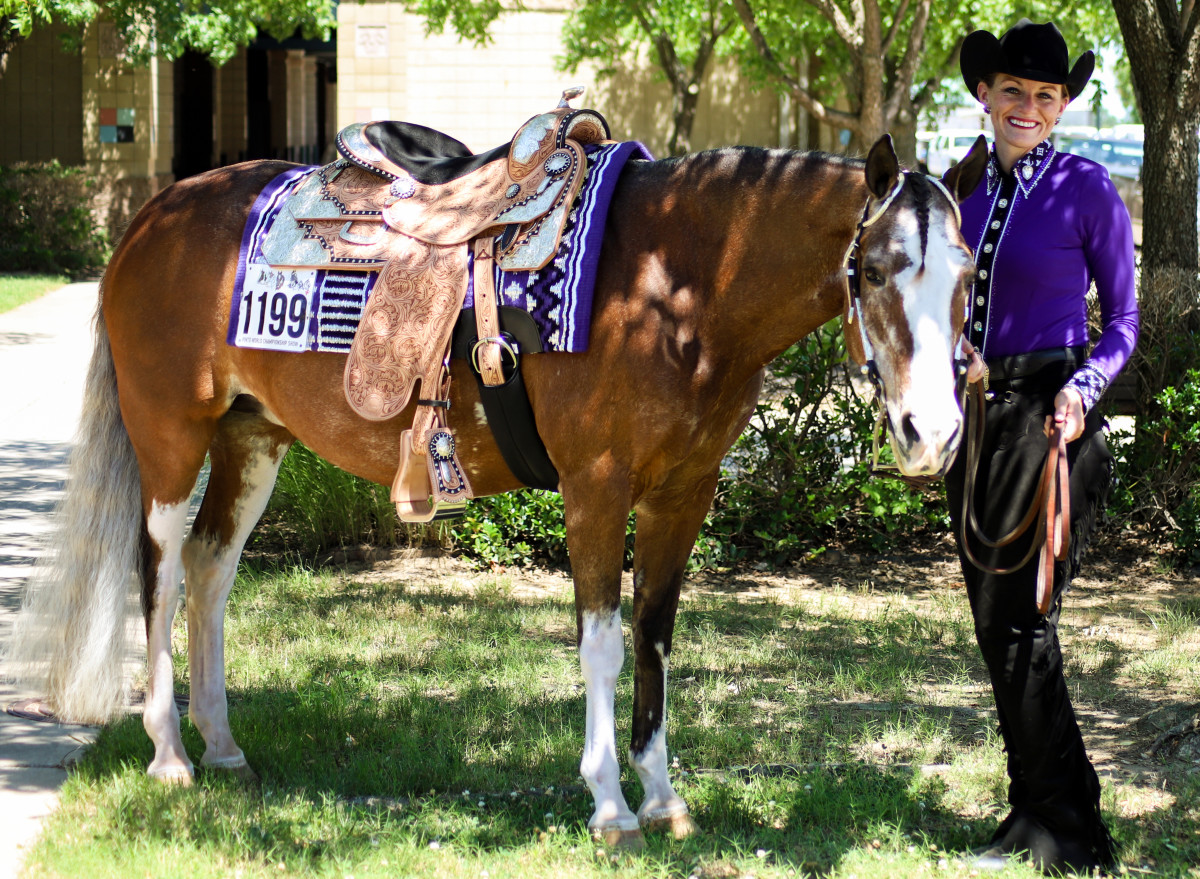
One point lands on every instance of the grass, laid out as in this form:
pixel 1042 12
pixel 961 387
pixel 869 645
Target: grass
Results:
pixel 403 728
pixel 17 288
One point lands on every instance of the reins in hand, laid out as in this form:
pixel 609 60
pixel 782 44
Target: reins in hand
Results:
pixel 1050 509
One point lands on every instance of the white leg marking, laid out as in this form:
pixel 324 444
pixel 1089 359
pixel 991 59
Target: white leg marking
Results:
pixel 660 800
pixel 161 717
pixel 211 570
pixel 601 654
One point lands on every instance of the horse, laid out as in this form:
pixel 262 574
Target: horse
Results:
pixel 711 265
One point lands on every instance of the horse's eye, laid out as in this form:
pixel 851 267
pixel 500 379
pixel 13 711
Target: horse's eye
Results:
pixel 873 277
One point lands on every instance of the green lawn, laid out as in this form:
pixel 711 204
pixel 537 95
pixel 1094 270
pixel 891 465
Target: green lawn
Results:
pixel 409 728
pixel 17 288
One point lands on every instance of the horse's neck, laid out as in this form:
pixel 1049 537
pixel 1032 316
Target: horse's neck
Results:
pixel 767 232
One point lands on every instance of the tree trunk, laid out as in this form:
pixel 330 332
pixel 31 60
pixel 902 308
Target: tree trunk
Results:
pixel 1161 41
pixel 1169 179
pixel 684 103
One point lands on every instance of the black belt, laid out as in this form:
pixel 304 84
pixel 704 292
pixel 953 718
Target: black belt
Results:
pixel 1015 366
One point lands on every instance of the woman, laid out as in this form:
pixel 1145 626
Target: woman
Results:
pixel 1044 227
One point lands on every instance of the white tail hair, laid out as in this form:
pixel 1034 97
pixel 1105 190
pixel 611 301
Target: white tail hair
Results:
pixel 76 631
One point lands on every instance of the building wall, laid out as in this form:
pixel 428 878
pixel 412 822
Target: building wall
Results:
pixel 389 69
pixel 230 100
pixel 133 161
pixel 41 101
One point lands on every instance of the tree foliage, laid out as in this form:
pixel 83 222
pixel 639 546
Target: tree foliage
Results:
pixel 166 29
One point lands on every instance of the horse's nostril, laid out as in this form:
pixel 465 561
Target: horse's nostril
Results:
pixel 911 434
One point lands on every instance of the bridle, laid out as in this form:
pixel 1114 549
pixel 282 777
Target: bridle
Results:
pixel 870 368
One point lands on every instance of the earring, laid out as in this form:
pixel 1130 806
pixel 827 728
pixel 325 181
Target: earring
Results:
pixel 987 109
pixel 1058 120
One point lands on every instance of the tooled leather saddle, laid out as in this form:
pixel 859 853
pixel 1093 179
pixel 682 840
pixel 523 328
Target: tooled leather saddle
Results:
pixel 408 202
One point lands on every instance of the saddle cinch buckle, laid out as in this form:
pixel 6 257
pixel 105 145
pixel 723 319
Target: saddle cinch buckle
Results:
pixel 504 342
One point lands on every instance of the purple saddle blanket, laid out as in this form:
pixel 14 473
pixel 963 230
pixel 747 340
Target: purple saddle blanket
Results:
pixel 319 309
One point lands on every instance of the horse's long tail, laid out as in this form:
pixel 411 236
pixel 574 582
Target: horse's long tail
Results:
pixel 77 628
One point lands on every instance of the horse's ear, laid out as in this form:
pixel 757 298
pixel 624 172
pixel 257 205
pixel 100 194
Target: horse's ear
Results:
pixel 883 168
pixel 961 180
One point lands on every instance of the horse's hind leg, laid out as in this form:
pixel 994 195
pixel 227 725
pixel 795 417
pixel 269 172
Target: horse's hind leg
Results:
pixel 169 459
pixel 244 461
pixel 667 524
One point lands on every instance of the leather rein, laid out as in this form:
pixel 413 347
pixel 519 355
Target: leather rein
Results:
pixel 1050 509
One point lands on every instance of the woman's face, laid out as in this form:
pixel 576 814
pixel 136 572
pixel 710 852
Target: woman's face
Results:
pixel 1024 111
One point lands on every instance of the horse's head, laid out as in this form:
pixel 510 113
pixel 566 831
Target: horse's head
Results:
pixel 909 276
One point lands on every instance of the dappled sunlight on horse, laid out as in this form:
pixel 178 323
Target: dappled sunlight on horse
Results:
pixel 712 264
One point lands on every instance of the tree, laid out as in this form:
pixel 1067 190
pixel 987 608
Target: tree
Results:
pixel 683 33
pixel 1163 46
pixel 166 29
pixel 882 48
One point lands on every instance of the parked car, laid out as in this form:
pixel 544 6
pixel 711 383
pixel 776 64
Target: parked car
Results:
pixel 947 147
pixel 1123 161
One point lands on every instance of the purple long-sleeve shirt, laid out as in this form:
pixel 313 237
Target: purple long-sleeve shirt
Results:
pixel 1042 235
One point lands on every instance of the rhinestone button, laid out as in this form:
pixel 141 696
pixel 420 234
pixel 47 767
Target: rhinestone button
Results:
pixel 979 300
pixel 978 325
pixel 1027 172
pixel 983 274
pixel 987 248
pixel 995 224
pixel 1004 202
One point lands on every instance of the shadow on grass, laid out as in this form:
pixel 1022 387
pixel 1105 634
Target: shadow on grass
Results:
pixel 345 758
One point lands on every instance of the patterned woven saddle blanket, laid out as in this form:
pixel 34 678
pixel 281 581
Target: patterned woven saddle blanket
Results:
pixel 404 201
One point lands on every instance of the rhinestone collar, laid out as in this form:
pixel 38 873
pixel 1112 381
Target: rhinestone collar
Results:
pixel 1028 169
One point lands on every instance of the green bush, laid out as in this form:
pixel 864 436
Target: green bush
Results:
pixel 46 221
pixel 799 477
pixel 1160 460
pixel 517 528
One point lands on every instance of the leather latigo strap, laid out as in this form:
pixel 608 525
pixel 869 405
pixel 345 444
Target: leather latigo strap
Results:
pixel 1050 509
pixel 488 350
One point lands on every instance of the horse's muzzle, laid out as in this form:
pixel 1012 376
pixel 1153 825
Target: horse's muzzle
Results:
pixel 926 447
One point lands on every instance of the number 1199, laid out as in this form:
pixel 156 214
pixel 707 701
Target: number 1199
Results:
pixel 276 313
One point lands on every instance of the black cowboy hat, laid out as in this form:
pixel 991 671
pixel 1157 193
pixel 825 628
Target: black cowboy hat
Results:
pixel 1028 50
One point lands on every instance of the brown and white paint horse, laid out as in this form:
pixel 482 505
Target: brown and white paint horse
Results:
pixel 712 265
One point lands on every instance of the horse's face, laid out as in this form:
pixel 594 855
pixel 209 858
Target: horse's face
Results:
pixel 914 273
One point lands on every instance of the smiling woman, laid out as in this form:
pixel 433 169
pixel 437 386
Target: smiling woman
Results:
pixel 1045 226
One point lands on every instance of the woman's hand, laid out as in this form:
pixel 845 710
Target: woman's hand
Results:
pixel 1068 414
pixel 975 365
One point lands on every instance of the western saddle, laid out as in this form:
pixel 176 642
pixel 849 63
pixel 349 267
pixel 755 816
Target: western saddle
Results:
pixel 408 202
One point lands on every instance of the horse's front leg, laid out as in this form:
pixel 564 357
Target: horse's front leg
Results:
pixel 667 524
pixel 595 517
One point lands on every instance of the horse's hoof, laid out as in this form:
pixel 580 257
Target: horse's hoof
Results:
pixel 616 838
pixel 680 825
pixel 179 776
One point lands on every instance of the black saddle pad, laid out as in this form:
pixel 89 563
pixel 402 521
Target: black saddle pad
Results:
pixel 428 155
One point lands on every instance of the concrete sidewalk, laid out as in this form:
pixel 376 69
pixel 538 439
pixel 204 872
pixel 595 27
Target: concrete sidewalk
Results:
pixel 44 351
